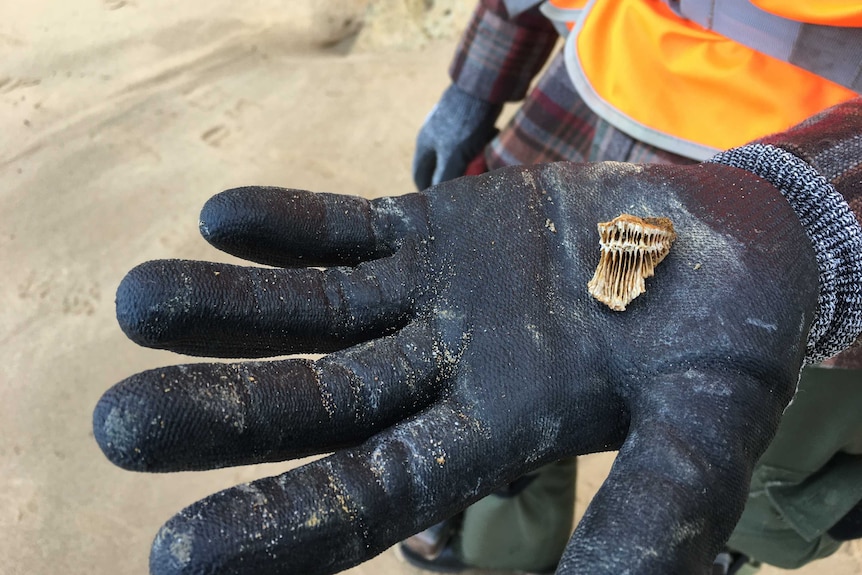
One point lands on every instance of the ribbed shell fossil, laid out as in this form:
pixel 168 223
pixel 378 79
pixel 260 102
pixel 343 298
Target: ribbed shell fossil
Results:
pixel 631 249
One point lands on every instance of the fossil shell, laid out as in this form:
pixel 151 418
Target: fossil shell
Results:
pixel 631 249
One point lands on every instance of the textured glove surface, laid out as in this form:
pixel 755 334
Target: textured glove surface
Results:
pixel 466 351
pixel 453 134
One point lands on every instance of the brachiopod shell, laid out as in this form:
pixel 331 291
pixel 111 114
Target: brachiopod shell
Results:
pixel 631 249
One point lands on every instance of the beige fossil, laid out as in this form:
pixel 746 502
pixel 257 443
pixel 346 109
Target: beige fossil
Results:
pixel 631 248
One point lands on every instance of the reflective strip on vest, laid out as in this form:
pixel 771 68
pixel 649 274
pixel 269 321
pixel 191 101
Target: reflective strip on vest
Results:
pixel 826 12
pixel 562 18
pixel 829 51
pixel 515 7
pixel 672 83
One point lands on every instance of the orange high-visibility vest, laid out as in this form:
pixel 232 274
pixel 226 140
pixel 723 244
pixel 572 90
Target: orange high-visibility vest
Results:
pixel 673 80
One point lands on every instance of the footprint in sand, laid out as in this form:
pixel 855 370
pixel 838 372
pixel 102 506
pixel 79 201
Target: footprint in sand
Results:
pixel 10 84
pixel 117 4
pixel 215 136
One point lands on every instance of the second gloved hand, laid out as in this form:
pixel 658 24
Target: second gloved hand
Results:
pixel 455 131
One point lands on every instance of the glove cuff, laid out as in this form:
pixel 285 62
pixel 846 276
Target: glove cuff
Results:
pixel 465 108
pixel 835 235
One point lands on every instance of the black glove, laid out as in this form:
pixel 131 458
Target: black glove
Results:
pixel 453 134
pixel 466 352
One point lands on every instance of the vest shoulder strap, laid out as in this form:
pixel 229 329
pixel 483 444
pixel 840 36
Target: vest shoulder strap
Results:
pixel 515 7
pixel 832 52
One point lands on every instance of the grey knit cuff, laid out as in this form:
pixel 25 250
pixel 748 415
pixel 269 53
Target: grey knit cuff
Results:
pixel 834 233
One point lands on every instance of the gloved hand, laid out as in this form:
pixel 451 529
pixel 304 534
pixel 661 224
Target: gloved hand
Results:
pixel 466 352
pixel 455 131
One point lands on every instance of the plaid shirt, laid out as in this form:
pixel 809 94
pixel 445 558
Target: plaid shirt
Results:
pixel 496 61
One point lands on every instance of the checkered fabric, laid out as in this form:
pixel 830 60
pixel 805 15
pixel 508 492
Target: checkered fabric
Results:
pixel 498 58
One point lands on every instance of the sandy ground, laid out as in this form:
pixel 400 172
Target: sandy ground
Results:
pixel 119 119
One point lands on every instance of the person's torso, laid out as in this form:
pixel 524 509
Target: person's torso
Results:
pixel 698 76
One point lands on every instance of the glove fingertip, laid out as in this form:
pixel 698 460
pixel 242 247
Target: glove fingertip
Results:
pixel 119 427
pixel 172 552
pixel 148 302
pixel 211 216
pixel 230 214
pixel 424 165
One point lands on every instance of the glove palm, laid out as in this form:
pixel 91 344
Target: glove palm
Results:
pixel 466 352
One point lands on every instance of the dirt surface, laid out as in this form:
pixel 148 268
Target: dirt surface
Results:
pixel 119 119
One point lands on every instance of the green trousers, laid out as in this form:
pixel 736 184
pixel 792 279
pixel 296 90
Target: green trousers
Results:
pixel 808 478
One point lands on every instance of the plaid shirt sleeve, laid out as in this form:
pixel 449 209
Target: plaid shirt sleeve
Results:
pixel 499 55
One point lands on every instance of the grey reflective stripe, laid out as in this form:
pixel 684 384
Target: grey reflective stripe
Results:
pixel 618 119
pixel 841 62
pixel 559 17
pixel 832 52
pixel 561 28
pixel 562 15
pixel 515 7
